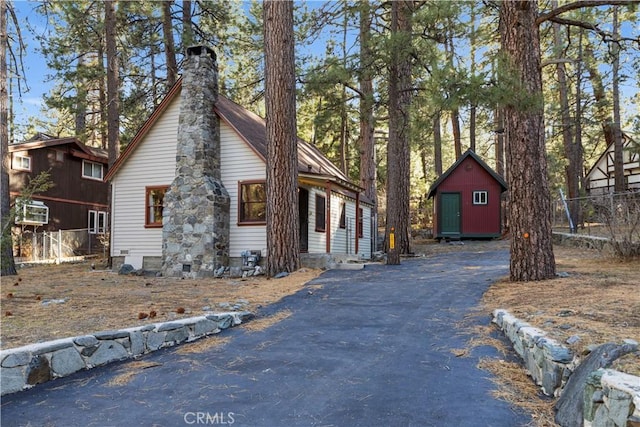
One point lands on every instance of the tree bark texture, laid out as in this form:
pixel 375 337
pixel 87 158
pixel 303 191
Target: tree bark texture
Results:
pixel 187 25
pixel 618 159
pixel 572 169
pixel 169 45
pixel 7 264
pixel 283 241
pixel 113 85
pixel 437 144
pixel 368 170
pixel 398 154
pixel 530 205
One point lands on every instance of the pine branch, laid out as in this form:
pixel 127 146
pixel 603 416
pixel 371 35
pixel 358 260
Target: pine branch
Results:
pixel 579 5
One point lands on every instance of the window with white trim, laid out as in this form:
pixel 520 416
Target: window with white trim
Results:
pixel 97 222
pixel 32 213
pixel 21 162
pixel 480 198
pixel 92 170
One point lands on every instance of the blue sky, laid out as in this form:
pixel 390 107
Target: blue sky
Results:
pixel 37 79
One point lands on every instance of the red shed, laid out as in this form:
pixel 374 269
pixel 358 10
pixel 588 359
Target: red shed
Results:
pixel 467 200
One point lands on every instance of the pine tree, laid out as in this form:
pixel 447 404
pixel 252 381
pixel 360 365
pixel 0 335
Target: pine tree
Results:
pixel 283 241
pixel 530 207
pixel 398 228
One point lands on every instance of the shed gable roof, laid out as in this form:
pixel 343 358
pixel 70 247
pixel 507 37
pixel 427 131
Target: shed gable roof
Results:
pixel 447 173
pixel 251 128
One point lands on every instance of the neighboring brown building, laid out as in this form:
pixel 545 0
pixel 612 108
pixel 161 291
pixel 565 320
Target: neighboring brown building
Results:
pixel 79 196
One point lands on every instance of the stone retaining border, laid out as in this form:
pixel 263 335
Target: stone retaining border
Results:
pixel 23 367
pixel 611 398
pixel 549 363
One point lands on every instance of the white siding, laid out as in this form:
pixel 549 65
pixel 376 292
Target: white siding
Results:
pixel 317 240
pixel 364 245
pixel 152 163
pixel 240 163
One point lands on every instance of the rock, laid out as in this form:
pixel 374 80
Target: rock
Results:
pixel 565 313
pixel 570 405
pixel 563 274
pixel 53 301
pixel 126 269
pixel 109 351
pixel 155 340
pixel 66 362
pixel 86 340
pixel 177 336
pixel 235 272
pixel 258 271
pixel 16 359
pixel 137 342
pixel 205 327
pixel 281 275
pixel 218 272
pixel 573 339
pixel 11 380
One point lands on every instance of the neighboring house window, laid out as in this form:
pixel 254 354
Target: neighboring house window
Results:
pixel 97 222
pixel 33 213
pixel 253 203
pixel 92 170
pixel 154 199
pixel 480 198
pixel 343 215
pixel 360 223
pixel 21 162
pixel 320 213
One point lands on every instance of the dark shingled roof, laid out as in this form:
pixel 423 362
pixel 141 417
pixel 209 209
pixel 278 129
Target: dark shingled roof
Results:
pixel 252 129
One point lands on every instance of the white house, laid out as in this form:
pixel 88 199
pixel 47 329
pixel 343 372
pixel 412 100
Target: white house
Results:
pixel 601 178
pixel 335 217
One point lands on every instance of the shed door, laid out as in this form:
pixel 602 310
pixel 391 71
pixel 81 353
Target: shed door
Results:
pixel 450 213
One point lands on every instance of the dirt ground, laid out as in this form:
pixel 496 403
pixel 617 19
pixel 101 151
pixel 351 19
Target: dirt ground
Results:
pixel 47 302
pixel 596 301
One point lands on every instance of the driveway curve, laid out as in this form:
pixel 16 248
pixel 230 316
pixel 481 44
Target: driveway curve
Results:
pixel 361 348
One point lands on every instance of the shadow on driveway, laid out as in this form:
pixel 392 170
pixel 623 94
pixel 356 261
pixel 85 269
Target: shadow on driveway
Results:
pixel 361 348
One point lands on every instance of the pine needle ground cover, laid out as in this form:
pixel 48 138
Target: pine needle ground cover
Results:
pixel 595 300
pixel 48 302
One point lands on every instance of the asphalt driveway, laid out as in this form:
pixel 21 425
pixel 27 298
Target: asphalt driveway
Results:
pixel 362 348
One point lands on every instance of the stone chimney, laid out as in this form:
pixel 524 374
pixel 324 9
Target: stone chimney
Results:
pixel 195 218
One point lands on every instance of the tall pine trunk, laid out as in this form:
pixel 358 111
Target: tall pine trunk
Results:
pixel 572 169
pixel 618 159
pixel 530 205
pixel 368 171
pixel 398 230
pixel 7 264
pixel 283 241
pixel 437 144
pixel 169 45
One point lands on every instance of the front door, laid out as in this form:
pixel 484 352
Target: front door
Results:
pixel 303 211
pixel 450 213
